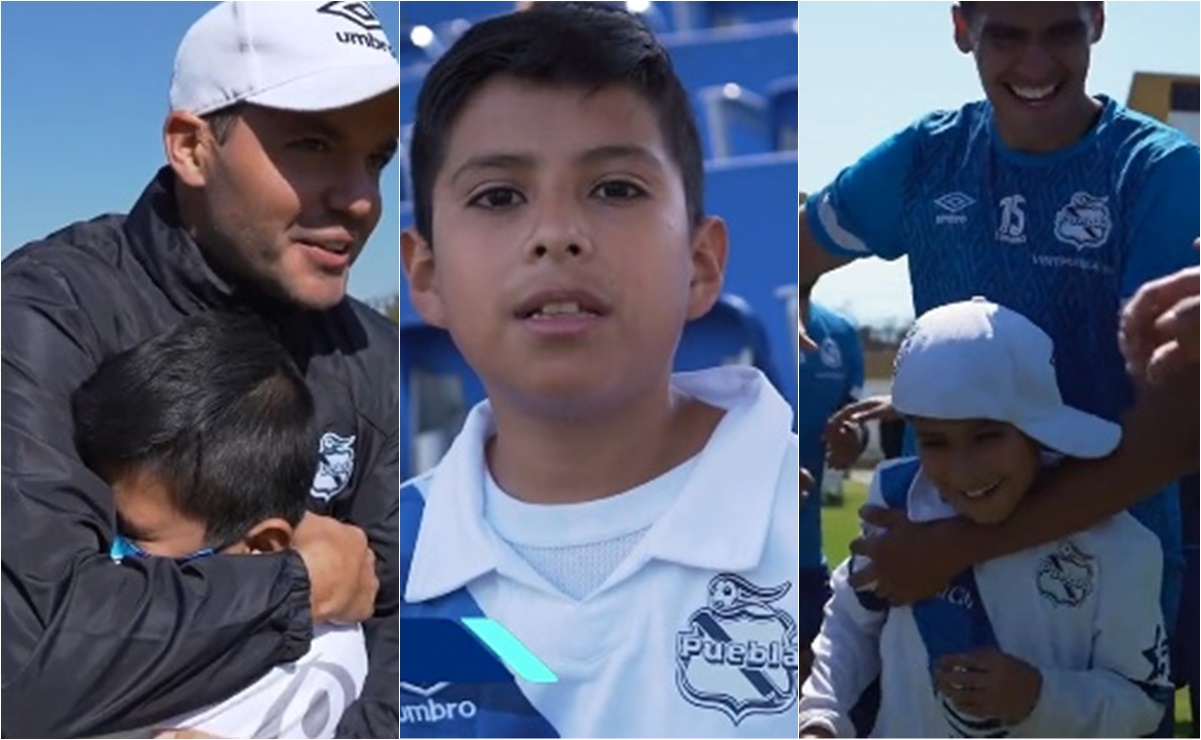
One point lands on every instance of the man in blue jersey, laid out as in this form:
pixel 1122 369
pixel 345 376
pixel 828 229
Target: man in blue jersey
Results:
pixel 634 530
pixel 1052 201
pixel 1019 197
pixel 829 380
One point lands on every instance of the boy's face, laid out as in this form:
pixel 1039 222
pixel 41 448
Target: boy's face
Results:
pixel 150 520
pixel 1033 60
pixel 982 468
pixel 148 517
pixel 563 261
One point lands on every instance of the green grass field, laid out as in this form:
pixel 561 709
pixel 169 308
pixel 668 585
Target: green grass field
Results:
pixel 840 525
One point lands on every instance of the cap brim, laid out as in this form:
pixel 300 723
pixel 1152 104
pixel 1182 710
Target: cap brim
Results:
pixel 1075 433
pixel 329 89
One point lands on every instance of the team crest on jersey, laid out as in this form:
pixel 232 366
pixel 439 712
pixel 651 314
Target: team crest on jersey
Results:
pixel 1084 222
pixel 335 467
pixel 740 653
pixel 1067 576
pixel 831 355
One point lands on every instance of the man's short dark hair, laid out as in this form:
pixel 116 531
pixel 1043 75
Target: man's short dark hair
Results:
pixel 217 411
pixel 586 44
pixel 969 7
pixel 221 122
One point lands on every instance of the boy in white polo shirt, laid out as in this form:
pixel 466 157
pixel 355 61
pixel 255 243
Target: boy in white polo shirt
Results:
pixel 636 531
pixel 1061 640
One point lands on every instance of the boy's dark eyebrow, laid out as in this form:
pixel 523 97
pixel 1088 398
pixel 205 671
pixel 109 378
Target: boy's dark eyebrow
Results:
pixel 494 162
pixel 620 151
pixel 524 161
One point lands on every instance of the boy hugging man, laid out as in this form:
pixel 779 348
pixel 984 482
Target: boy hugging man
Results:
pixel 1061 640
pixel 636 531
pixel 206 436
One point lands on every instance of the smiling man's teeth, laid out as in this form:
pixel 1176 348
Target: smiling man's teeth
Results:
pixel 1032 93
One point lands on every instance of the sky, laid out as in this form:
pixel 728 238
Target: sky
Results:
pixel 869 69
pixel 83 94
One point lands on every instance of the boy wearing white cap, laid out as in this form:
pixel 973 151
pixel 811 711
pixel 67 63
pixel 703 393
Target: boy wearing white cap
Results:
pixel 282 118
pixel 1061 640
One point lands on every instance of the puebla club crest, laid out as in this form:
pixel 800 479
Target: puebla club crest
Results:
pixel 739 653
pixel 336 465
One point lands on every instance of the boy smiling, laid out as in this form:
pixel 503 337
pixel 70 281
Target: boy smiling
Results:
pixel 1061 640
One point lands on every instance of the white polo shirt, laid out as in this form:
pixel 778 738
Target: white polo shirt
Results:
pixel 301 699
pixel 693 634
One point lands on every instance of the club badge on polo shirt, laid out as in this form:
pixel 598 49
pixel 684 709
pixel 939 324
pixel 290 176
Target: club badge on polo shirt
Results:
pixel 739 653
pixel 335 467
pixel 1067 576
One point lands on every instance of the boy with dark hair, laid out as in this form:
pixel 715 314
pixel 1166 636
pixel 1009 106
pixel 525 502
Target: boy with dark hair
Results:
pixel 634 530
pixel 206 437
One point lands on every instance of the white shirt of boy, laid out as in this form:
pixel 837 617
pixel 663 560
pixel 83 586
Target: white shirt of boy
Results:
pixel 301 699
pixel 1083 610
pixel 693 633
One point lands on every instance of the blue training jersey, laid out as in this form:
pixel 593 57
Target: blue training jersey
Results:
pixel 1062 238
pixel 829 379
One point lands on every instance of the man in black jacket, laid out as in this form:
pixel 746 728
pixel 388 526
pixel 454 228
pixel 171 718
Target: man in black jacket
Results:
pixel 283 117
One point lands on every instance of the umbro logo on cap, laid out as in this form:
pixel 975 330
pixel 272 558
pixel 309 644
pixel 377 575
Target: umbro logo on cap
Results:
pixel 358 13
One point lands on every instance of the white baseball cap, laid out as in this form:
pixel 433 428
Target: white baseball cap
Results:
pixel 302 56
pixel 978 360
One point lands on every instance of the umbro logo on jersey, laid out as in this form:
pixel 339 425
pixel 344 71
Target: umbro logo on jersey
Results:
pixel 431 710
pixel 952 206
pixel 739 654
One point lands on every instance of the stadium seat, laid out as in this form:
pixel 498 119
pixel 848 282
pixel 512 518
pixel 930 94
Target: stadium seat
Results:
pixel 734 121
pixel 741 13
pixel 783 101
pixel 730 334
pixel 432 14
pixel 752 56
pixel 410 85
pixel 406 138
pixel 438 388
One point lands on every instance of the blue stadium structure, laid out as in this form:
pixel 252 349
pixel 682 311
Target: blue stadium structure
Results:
pixel 738 61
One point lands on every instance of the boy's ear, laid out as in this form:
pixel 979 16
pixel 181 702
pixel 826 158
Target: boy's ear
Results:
pixel 417 257
pixel 269 535
pixel 710 247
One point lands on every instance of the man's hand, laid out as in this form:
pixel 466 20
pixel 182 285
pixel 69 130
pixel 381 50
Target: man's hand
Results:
pixel 909 562
pixel 1158 331
pixel 844 442
pixel 845 435
pixel 867 409
pixel 341 569
pixel 989 684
